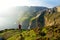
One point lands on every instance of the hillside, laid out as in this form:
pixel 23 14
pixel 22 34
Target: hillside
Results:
pixel 44 26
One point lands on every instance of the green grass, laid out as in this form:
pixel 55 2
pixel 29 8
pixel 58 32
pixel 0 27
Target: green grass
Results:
pixel 14 37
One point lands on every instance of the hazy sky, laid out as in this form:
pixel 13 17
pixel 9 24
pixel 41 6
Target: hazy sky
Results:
pixel 8 15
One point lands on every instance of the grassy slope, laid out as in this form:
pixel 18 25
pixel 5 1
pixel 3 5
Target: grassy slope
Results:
pixel 41 34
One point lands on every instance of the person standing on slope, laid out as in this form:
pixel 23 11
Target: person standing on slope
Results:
pixel 19 26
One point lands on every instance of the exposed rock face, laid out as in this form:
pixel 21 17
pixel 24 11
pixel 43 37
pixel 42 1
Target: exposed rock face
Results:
pixel 48 22
pixel 58 9
pixel 52 19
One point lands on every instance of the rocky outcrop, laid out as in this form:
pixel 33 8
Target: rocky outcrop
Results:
pixel 48 17
pixel 58 8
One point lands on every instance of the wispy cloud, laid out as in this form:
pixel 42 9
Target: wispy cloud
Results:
pixel 46 3
pixel 39 3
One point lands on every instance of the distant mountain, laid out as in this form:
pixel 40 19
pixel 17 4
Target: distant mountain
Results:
pixel 47 16
pixel 28 14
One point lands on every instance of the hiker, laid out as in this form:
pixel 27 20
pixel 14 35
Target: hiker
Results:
pixel 19 26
